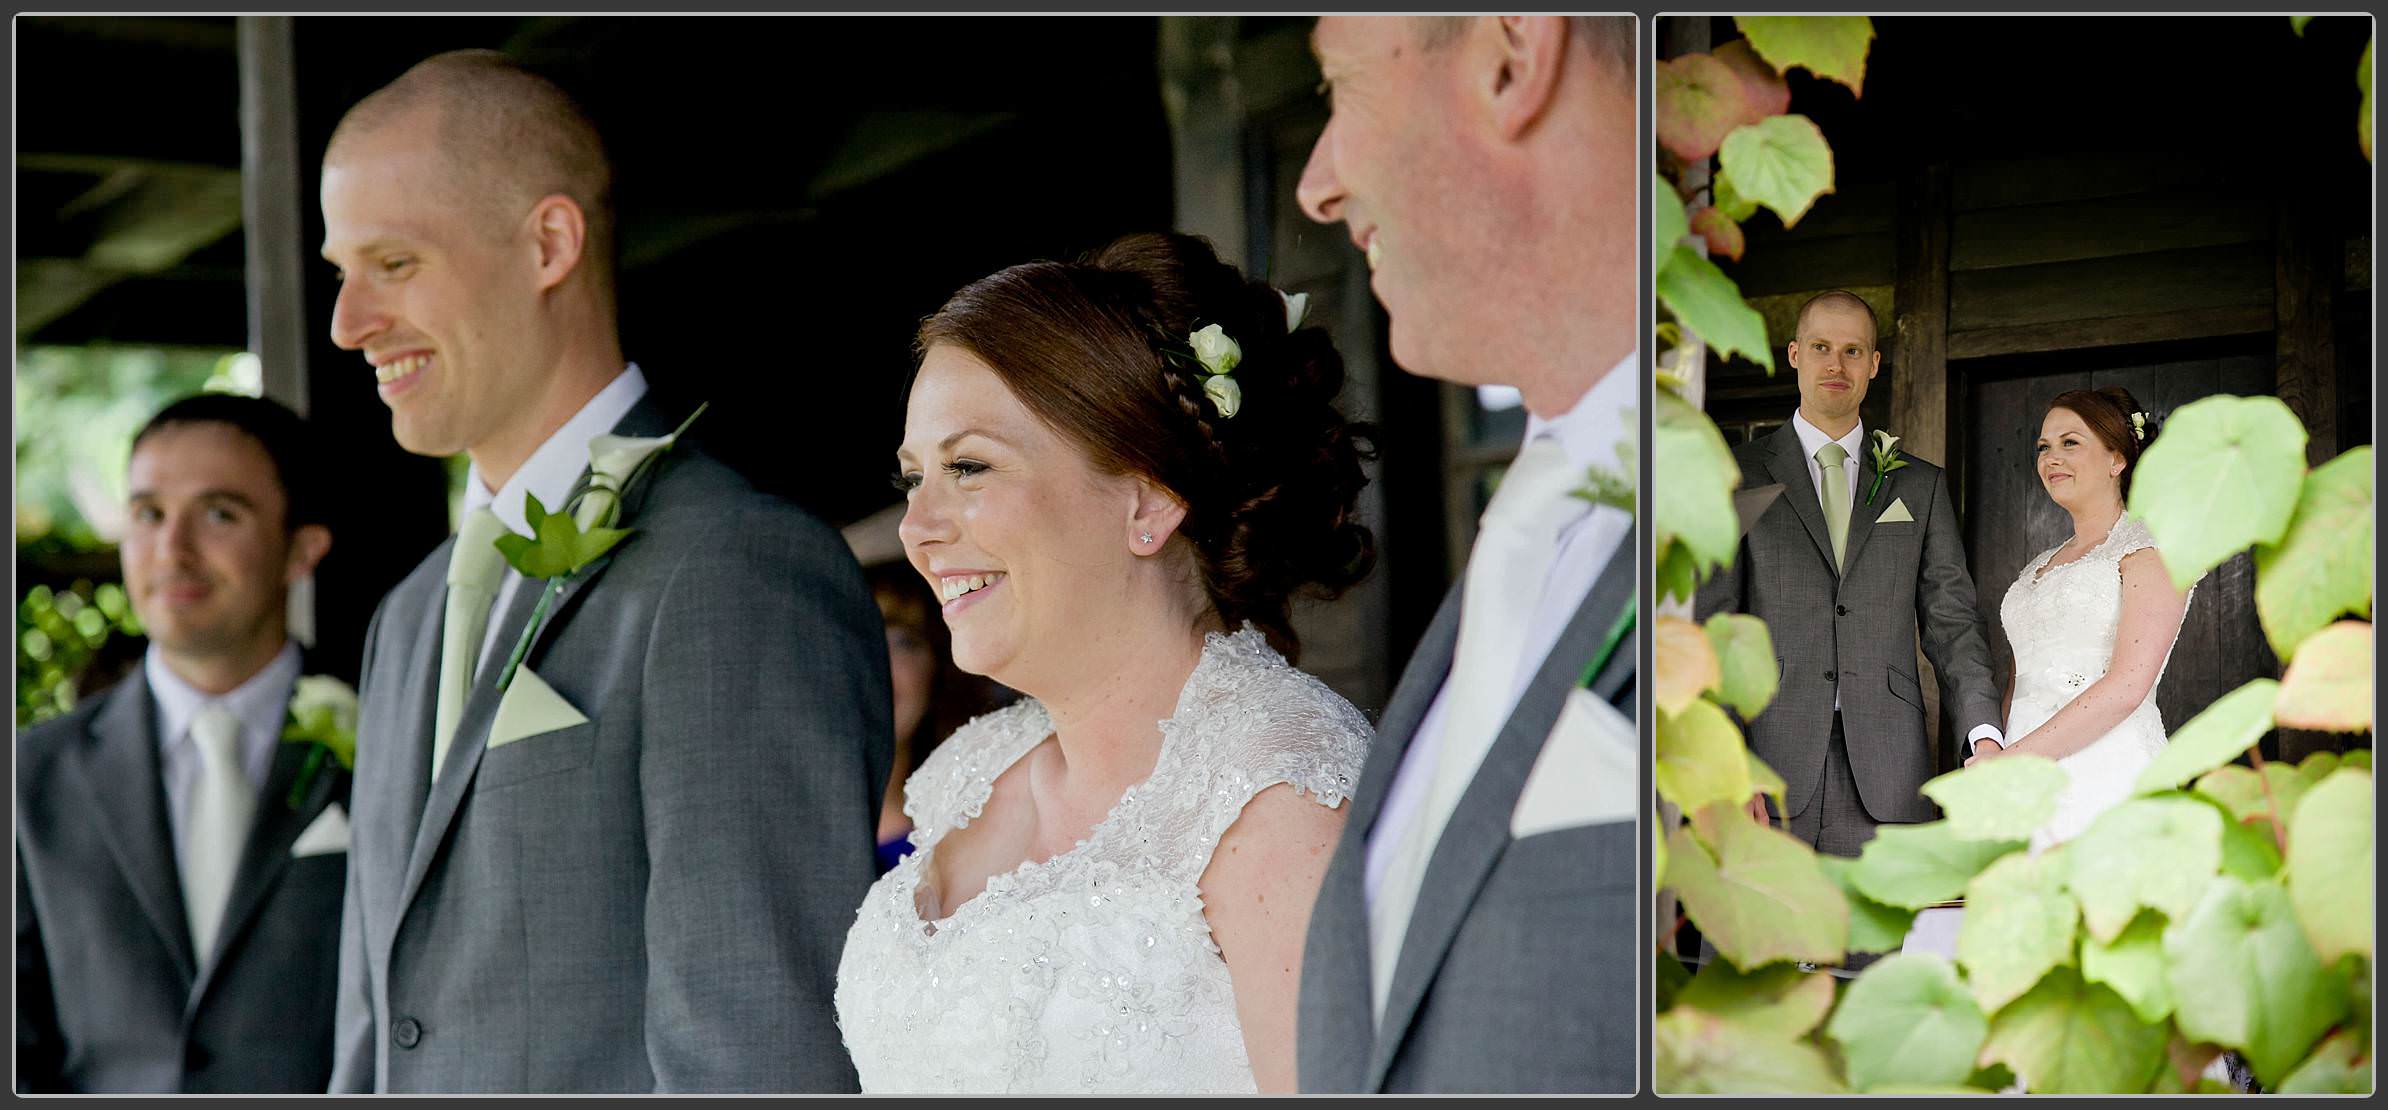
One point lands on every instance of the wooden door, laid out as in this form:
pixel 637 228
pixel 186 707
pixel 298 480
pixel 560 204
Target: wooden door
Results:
pixel 2009 519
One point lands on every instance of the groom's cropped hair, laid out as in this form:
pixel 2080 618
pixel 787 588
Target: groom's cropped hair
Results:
pixel 1610 38
pixel 1844 299
pixel 288 441
pixel 508 137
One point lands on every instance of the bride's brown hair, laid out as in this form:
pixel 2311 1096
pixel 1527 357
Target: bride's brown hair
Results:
pixel 1098 350
pixel 2107 410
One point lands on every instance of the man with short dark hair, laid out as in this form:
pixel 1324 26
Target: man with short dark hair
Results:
pixel 179 867
pixel 1475 931
pixel 612 819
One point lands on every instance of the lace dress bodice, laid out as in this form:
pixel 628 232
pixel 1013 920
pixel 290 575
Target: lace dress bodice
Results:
pixel 2061 622
pixel 1095 970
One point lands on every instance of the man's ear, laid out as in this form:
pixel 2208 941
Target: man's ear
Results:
pixel 308 546
pixel 1877 367
pixel 1519 57
pixel 560 233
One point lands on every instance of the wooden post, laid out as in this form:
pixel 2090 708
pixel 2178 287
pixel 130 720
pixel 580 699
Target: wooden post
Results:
pixel 270 201
pixel 1919 354
pixel 2304 360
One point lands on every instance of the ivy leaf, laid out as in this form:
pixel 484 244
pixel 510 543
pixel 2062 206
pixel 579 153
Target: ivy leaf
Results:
pixel 2319 765
pixel 2329 865
pixel 2000 799
pixel 1913 866
pixel 2241 791
pixel 2248 979
pixel 1706 301
pixel 1782 162
pixel 2341 1066
pixel 2297 23
pixel 2222 733
pixel 1700 757
pixel 1873 927
pixel 1686 663
pixel 1761 898
pixel 2224 476
pixel 2358 757
pixel 2133 966
pixel 2363 114
pixel 1747 671
pixel 2153 852
pixel 1698 1053
pixel 1670 978
pixel 560 547
pixel 1763 91
pixel 1728 199
pixel 1678 574
pixel 1696 101
pixel 2069 1036
pixel 2328 684
pixel 1831 47
pixel 1907 1021
pixel 2018 924
pixel 1778 999
pixel 1723 236
pixel 1667 225
pixel 2322 567
pixel 1764 781
pixel 1693 496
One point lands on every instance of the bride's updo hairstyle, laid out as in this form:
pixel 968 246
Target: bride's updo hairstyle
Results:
pixel 1099 349
pixel 2107 411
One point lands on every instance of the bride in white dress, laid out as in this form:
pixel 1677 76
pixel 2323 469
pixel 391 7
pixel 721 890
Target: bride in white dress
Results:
pixel 2092 620
pixel 1112 879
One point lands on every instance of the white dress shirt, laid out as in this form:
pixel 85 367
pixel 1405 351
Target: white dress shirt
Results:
pixel 550 474
pixel 260 705
pixel 1811 440
pixel 1589 433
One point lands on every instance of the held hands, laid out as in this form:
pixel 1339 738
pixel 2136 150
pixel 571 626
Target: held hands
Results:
pixel 1984 749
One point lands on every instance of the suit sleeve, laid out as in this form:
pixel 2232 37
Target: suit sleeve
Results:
pixel 1955 636
pixel 765 747
pixel 353 1024
pixel 41 1045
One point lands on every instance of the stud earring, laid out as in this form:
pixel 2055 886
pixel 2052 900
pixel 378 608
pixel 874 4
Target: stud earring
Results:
pixel 1144 537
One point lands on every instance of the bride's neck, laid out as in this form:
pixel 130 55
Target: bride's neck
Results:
pixel 2092 522
pixel 1105 716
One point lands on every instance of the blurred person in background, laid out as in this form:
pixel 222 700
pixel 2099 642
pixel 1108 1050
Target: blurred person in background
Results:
pixel 180 866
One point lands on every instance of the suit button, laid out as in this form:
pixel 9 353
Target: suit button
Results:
pixel 407 1032
pixel 1831 676
pixel 194 1058
pixel 1840 610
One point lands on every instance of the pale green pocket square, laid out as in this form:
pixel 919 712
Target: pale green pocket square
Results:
pixel 529 708
pixel 1896 513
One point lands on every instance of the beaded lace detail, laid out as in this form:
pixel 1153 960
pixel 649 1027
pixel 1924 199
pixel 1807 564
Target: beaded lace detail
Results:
pixel 2062 622
pixel 1094 970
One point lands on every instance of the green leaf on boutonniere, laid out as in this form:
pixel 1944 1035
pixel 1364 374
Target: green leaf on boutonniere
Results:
pixel 559 547
pixel 1885 451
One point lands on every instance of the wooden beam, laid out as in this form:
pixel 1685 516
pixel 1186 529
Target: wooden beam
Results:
pixel 2111 331
pixel 1920 315
pixel 2304 358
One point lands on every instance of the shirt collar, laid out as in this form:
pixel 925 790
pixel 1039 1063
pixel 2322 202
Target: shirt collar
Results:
pixel 1812 438
pixel 552 470
pixel 1601 419
pixel 259 703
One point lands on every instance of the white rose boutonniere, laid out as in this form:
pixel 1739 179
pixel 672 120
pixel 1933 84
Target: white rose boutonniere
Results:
pixel 323 713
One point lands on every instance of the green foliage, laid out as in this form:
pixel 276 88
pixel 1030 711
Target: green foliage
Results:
pixel 1913 866
pixel 2328 686
pixel 1699 758
pixel 1873 927
pixel 1667 224
pixel 1831 47
pixel 1778 998
pixel 2329 865
pixel 2222 733
pixel 1747 672
pixel 560 547
pixel 1702 298
pixel 2342 1066
pixel 2069 1036
pixel 2002 799
pixel 1908 1022
pixel 1699 101
pixel 2244 452
pixel 2132 965
pixel 1698 1053
pixel 1782 163
pixel 58 635
pixel 1761 898
pixel 2322 567
pixel 2019 924
pixel 2152 852
pixel 1692 505
pixel 2256 984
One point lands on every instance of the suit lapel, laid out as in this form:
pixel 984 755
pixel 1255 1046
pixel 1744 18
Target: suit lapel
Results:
pixel 1420 681
pixel 1478 829
pixel 120 771
pixel 1789 466
pixel 267 854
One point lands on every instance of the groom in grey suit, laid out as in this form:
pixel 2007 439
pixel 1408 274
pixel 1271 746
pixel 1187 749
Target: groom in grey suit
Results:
pixel 179 867
pixel 633 868
pixel 1476 928
pixel 1845 570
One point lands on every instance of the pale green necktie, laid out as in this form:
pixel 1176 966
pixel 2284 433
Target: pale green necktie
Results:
pixel 1835 484
pixel 216 826
pixel 474 568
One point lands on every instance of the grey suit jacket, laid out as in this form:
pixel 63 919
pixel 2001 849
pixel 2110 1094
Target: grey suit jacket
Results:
pixel 1855 631
pixel 653 899
pixel 110 996
pixel 1519 970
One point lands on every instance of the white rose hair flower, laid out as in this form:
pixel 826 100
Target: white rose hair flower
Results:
pixel 1217 353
